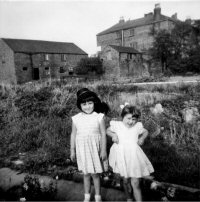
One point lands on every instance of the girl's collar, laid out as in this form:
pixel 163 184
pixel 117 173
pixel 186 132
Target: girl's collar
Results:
pixel 128 127
pixel 87 114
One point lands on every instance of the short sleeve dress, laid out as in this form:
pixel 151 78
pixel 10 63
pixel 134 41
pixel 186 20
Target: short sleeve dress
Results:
pixel 88 138
pixel 127 158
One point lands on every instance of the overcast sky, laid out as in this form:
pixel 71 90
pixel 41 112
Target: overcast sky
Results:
pixel 79 21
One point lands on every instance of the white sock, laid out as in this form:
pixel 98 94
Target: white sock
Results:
pixel 87 198
pixel 97 198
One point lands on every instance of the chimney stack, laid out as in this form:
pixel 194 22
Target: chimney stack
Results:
pixel 174 16
pixel 121 20
pixel 157 12
pixel 188 20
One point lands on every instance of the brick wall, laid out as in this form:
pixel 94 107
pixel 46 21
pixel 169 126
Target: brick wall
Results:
pixel 7 70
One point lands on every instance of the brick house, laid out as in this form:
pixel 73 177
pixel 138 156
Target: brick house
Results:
pixel 137 33
pixel 26 60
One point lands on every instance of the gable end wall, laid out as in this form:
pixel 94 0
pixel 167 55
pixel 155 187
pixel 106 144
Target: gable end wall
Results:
pixel 7 67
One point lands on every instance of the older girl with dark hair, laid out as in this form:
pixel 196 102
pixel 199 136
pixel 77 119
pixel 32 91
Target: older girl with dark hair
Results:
pixel 88 139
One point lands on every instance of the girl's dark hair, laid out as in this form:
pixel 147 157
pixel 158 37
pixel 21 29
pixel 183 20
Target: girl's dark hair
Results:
pixel 128 109
pixel 85 95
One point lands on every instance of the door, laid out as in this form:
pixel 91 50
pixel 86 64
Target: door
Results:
pixel 36 74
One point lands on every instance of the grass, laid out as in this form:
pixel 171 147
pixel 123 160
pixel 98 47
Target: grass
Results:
pixel 35 119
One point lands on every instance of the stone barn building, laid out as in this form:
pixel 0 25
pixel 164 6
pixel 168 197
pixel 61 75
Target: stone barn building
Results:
pixel 27 60
pixel 137 34
pixel 122 61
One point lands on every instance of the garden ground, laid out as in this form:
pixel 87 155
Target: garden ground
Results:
pixel 35 122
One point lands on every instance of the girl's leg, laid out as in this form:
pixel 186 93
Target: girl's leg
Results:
pixel 127 188
pixel 87 186
pixel 97 187
pixel 135 182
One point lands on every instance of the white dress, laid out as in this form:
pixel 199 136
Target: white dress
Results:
pixel 127 158
pixel 88 140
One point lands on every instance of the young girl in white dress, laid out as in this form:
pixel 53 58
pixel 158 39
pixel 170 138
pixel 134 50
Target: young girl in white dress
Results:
pixel 126 156
pixel 88 139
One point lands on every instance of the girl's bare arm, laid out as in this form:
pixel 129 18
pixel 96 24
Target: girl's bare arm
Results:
pixel 142 137
pixel 73 142
pixel 103 140
pixel 113 135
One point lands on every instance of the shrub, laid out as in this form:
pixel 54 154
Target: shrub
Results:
pixel 36 190
pixel 34 102
pixel 37 121
pixel 89 65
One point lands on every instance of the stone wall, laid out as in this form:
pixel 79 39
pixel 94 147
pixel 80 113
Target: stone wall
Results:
pixel 110 59
pixel 23 67
pixel 7 70
pixel 139 37
pixel 109 39
pixel 133 68
pixel 51 68
pixel 118 65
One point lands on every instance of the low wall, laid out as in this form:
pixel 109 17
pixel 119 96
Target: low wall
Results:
pixel 73 190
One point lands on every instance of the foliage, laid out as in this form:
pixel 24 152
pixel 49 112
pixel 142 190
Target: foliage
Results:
pixel 87 65
pixel 36 190
pixel 162 47
pixel 42 129
pixel 177 50
pixel 34 102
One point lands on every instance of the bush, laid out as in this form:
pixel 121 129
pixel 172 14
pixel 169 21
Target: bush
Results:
pixel 35 103
pixel 40 125
pixel 36 190
pixel 87 65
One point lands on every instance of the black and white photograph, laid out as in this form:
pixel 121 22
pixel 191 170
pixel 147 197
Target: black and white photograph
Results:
pixel 99 100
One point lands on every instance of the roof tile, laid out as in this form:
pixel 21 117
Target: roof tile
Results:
pixel 37 46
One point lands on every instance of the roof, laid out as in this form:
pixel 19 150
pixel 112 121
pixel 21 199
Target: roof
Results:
pixel 124 49
pixel 149 19
pixel 37 46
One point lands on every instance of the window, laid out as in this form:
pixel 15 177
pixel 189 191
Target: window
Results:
pixel 25 68
pixel 119 34
pixel 47 70
pixel 134 45
pixel 2 58
pixel 46 57
pixel 71 70
pixel 129 56
pixel 63 57
pixel 132 32
pixel 62 70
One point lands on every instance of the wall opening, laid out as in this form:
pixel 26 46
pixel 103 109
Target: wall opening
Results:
pixel 36 74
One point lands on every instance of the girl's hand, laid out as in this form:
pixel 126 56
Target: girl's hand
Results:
pixel 103 155
pixel 141 141
pixel 73 155
pixel 115 138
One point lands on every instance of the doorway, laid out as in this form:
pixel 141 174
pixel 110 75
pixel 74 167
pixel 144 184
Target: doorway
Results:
pixel 36 74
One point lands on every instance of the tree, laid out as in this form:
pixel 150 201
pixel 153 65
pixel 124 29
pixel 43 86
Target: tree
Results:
pixel 183 39
pixel 162 47
pixel 178 49
pixel 87 65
